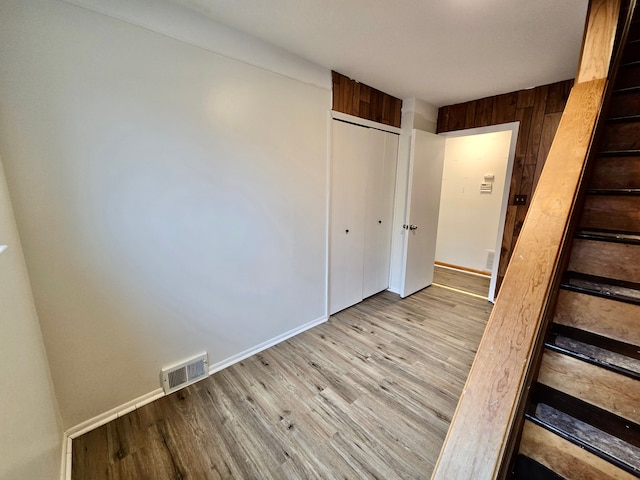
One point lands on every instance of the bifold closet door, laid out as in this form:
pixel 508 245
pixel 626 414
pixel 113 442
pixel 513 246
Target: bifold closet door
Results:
pixel 381 181
pixel 349 152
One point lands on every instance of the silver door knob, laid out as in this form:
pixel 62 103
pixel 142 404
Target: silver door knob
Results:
pixel 413 227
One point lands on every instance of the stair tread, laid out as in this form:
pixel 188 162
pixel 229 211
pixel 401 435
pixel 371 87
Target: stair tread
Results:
pixel 620 357
pixel 626 90
pixel 633 63
pixel 614 449
pixel 619 153
pixel 604 235
pixel 603 287
pixel 603 433
pixel 624 118
pixel 613 191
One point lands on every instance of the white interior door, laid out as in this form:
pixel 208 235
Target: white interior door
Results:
pixel 379 215
pixel 421 214
pixel 348 189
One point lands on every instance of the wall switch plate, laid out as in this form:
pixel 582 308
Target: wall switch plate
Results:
pixel 520 200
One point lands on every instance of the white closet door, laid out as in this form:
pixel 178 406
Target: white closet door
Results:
pixel 383 148
pixel 348 189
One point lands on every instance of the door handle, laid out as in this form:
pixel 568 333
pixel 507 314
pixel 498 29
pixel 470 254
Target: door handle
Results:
pixel 413 227
pixel 405 227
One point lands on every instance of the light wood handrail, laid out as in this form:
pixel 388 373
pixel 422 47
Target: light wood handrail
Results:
pixel 482 433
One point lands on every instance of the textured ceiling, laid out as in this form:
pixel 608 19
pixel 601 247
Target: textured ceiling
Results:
pixel 440 51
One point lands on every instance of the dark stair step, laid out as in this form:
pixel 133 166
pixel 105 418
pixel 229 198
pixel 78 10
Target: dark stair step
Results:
pixel 634 31
pixel 628 118
pixel 633 90
pixel 631 238
pixel 526 468
pixel 613 438
pixel 621 136
pixel 602 287
pixel 628 76
pixel 631 52
pixel 633 152
pixel 611 212
pixel 615 173
pixel 624 103
pixel 614 191
pixel 614 355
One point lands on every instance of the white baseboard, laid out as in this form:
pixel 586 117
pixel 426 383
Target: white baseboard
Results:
pixel 106 417
pixel 216 367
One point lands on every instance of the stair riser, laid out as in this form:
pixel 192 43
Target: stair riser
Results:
pixel 616 172
pixel 621 213
pixel 566 459
pixel 597 386
pixel 628 77
pixel 602 316
pixel 606 259
pixel 621 136
pixel 631 53
pixel 634 32
pixel 624 106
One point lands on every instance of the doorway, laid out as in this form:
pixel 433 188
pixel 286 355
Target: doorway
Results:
pixel 475 192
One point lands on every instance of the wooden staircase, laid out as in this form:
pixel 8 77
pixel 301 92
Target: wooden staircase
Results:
pixel 582 420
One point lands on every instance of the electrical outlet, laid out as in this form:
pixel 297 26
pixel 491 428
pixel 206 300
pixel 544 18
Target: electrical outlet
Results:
pixel 520 200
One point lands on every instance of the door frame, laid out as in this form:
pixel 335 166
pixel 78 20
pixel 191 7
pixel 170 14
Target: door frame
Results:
pixel 513 127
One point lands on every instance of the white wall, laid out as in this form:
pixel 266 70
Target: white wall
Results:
pixel 469 220
pixel 30 443
pixel 170 200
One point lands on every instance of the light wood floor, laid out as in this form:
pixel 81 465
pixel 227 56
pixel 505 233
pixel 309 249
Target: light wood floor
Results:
pixel 475 284
pixel 368 394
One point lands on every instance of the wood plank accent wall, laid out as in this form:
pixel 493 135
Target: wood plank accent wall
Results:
pixel 360 100
pixel 538 110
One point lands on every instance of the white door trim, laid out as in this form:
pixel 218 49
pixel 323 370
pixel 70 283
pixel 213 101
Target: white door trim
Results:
pixel 363 122
pixel 514 128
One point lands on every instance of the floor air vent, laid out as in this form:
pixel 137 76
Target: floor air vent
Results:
pixel 177 376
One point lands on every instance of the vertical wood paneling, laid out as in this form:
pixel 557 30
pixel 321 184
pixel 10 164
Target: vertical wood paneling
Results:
pixel 363 101
pixel 457 116
pixel 526 98
pixel 557 98
pixel 443 119
pixel 484 110
pixel 537 120
pixel 549 128
pixel 538 110
pixel 523 115
pixel 504 108
pixel 471 115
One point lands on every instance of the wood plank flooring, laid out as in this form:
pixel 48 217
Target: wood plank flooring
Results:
pixel 475 284
pixel 369 394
